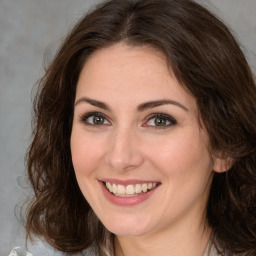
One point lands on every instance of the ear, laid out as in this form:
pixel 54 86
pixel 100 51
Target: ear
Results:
pixel 221 165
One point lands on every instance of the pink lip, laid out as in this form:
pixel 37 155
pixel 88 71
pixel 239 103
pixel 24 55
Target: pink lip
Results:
pixel 126 201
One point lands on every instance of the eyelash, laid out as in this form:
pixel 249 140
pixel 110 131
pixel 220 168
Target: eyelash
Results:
pixel 161 116
pixel 84 118
pixel 166 118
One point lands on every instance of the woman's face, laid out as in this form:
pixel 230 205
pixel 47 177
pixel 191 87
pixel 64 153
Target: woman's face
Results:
pixel 136 133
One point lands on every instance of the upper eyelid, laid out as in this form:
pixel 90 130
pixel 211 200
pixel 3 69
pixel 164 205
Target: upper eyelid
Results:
pixel 172 121
pixel 163 115
pixel 90 114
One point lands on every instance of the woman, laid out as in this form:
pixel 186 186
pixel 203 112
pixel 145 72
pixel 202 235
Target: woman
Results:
pixel 144 137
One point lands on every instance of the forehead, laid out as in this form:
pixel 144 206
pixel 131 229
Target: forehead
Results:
pixel 140 60
pixel 140 73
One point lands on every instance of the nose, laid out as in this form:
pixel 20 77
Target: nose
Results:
pixel 124 150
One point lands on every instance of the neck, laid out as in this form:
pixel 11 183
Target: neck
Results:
pixel 189 240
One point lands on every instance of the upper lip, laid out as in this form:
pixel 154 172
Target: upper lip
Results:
pixel 127 182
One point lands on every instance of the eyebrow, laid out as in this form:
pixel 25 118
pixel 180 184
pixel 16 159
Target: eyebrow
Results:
pixel 95 103
pixel 140 108
pixel 157 103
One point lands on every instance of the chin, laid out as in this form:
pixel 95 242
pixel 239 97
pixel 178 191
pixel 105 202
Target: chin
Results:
pixel 127 226
pixel 127 231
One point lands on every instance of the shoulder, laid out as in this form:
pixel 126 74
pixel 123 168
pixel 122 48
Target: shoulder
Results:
pixel 36 248
pixel 212 251
pixel 19 251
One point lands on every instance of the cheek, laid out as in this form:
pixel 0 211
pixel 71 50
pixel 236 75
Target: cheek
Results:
pixel 183 154
pixel 185 165
pixel 85 152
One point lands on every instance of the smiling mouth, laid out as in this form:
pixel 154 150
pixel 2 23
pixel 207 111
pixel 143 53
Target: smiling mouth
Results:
pixel 130 190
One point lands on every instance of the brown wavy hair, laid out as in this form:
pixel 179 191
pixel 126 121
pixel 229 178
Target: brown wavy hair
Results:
pixel 207 61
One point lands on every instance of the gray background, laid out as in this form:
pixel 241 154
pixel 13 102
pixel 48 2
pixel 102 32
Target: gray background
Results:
pixel 30 31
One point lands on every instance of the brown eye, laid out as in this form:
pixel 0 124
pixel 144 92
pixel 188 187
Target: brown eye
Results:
pixel 160 121
pixel 94 119
pixel 98 120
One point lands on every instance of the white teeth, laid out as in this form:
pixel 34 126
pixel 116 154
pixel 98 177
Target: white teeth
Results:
pixel 130 190
pixel 144 187
pixel 109 187
pixel 138 188
pixel 120 189
pixel 114 188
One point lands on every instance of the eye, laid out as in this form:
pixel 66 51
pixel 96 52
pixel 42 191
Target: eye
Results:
pixel 94 118
pixel 160 121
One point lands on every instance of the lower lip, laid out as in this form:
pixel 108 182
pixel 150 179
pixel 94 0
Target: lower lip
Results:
pixel 126 201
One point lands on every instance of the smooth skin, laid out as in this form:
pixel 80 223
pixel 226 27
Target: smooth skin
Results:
pixel 119 132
